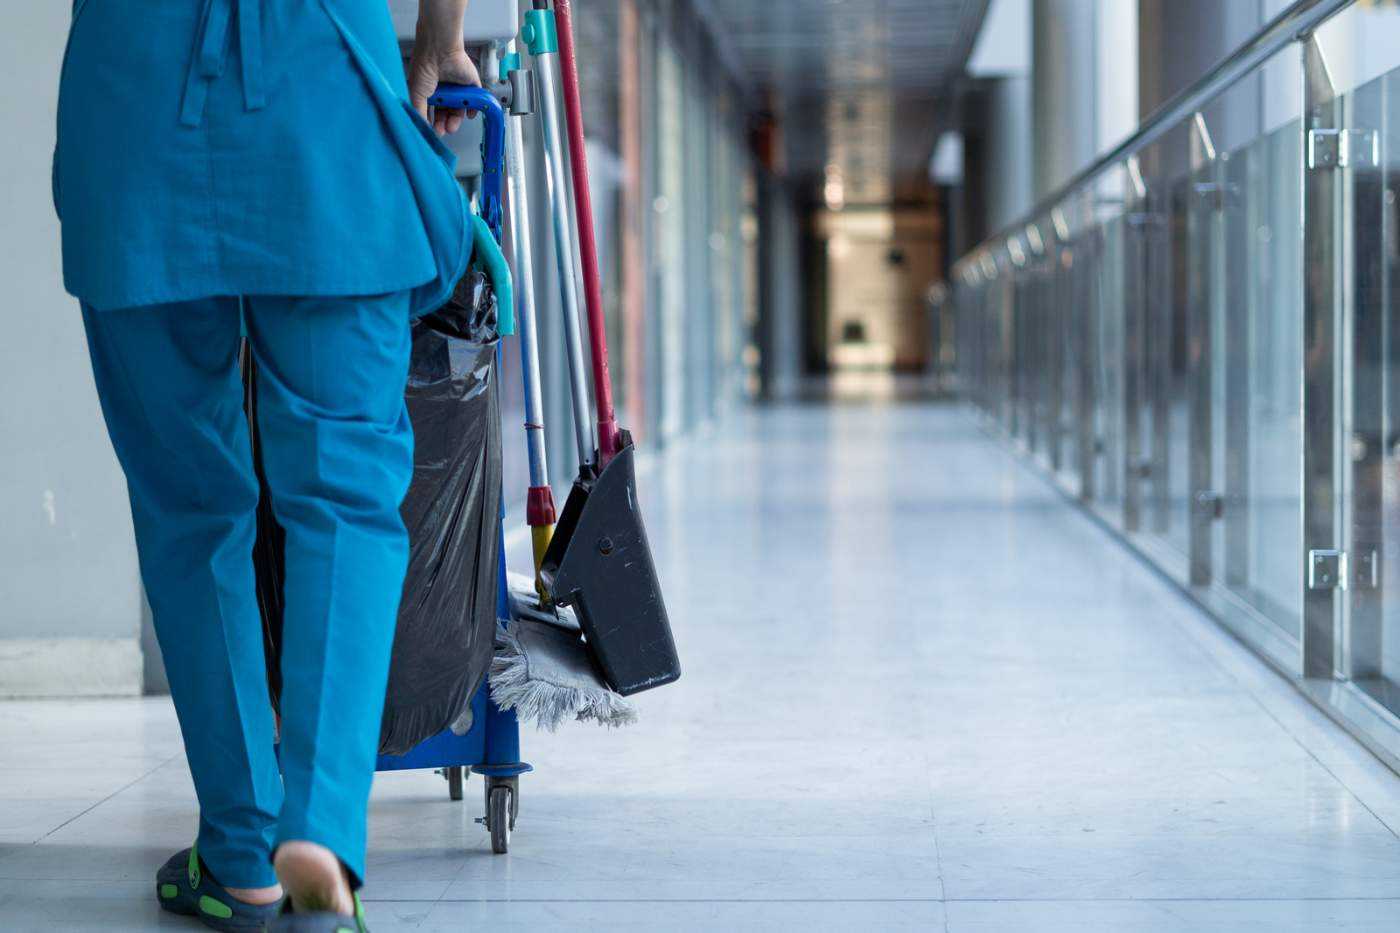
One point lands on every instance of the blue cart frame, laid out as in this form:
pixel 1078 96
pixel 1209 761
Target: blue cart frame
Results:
pixel 491 747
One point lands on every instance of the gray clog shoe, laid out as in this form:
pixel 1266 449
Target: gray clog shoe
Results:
pixel 184 886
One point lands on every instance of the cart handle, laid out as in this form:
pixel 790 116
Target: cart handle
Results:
pixel 493 142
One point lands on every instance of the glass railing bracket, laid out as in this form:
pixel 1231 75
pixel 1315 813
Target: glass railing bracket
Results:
pixel 1327 570
pixel 1211 195
pixel 1365 571
pixel 1210 506
pixel 1352 148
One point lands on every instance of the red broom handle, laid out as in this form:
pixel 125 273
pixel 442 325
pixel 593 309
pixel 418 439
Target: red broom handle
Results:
pixel 608 436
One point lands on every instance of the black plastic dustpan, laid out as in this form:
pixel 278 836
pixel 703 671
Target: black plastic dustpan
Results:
pixel 600 563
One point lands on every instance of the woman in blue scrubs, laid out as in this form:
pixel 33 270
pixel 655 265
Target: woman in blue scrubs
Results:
pixel 232 168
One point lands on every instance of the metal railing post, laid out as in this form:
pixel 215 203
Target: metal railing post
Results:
pixel 1160 312
pixel 1206 203
pixel 1369 231
pixel 1086 259
pixel 1058 290
pixel 1241 220
pixel 1137 259
pixel 1322 571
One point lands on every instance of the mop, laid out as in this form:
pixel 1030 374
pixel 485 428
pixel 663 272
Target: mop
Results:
pixel 541 668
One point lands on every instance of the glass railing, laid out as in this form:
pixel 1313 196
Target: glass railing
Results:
pixel 1199 338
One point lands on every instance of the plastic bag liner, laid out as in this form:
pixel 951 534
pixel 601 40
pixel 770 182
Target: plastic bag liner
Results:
pixel 447 619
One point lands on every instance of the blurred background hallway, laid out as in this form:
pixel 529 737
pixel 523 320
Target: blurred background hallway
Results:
pixel 1017 387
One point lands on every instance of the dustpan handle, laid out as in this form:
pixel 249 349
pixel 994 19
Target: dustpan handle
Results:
pixel 609 438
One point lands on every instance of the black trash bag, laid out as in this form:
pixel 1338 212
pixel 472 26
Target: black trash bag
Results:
pixel 447 619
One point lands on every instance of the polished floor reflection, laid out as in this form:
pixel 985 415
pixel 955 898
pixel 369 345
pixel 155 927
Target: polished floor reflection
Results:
pixel 921 691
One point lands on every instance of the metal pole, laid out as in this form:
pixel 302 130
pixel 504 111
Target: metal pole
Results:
pixel 540 512
pixel 1058 286
pixel 1137 259
pixel 1207 201
pixel 1086 270
pixel 1242 307
pixel 1159 328
pixel 523 254
pixel 609 437
pixel 547 66
pixel 1322 557
pixel 1367 413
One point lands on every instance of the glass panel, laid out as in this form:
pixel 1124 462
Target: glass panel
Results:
pixel 1275 351
pixel 1374 481
pixel 1158 481
pixel 1250 214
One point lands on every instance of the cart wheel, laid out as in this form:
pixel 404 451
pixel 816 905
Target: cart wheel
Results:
pixel 498 818
pixel 454 781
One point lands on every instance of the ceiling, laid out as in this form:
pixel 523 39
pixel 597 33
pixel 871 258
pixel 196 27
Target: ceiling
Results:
pixel 861 87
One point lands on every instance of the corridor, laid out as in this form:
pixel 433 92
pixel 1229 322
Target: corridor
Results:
pixel 921 691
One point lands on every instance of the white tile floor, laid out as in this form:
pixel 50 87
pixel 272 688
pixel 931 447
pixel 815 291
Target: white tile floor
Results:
pixel 921 691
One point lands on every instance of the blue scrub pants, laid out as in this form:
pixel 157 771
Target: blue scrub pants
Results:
pixel 338 456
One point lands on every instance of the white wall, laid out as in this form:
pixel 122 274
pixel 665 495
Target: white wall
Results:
pixel 70 599
pixel 1058 87
pixel 1008 152
pixel 1063 100
pixel 1116 73
pixel 1084 84
pixel 1000 119
pixel 1003 45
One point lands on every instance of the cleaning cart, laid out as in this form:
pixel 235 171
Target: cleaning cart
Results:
pixel 595 597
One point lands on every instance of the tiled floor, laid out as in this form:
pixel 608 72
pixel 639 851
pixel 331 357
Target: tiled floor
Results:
pixel 921 691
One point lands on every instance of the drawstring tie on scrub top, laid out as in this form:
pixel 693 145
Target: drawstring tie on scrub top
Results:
pixel 211 51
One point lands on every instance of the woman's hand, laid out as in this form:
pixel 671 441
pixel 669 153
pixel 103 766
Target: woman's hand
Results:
pixel 439 56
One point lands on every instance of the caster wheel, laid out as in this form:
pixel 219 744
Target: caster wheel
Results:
pixel 498 819
pixel 454 777
pixel 502 807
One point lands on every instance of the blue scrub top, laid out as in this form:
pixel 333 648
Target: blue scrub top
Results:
pixel 248 147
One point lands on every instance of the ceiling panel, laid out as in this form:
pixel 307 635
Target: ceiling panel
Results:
pixel 861 87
